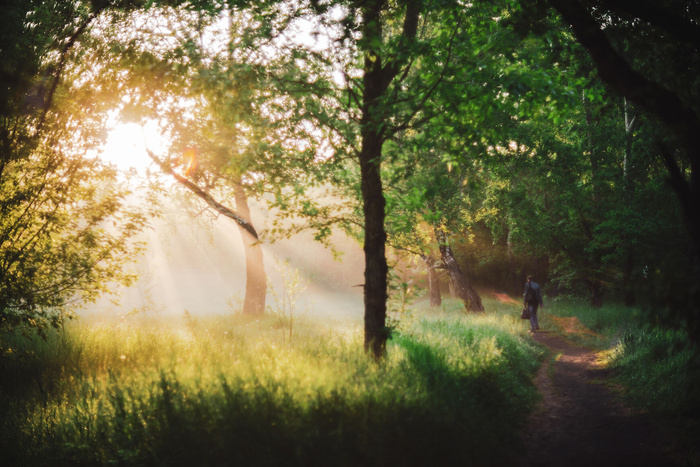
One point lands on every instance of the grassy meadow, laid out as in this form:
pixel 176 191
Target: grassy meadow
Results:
pixel 216 390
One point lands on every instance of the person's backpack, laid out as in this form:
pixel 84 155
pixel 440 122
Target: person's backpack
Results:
pixel 530 294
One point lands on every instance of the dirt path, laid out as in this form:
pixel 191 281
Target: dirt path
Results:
pixel 579 423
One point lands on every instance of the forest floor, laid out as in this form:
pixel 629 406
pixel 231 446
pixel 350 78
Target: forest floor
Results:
pixel 579 421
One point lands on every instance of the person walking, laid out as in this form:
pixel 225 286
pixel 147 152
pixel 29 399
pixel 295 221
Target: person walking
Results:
pixel 533 300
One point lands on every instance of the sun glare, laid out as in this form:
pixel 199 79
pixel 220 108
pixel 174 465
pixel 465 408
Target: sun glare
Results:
pixel 127 143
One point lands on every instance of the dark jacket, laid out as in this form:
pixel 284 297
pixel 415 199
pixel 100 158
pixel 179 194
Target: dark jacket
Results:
pixel 536 288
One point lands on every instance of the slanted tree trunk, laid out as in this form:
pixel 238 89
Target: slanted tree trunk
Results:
pixel 433 281
pixel 464 290
pixel 256 279
pixel 453 289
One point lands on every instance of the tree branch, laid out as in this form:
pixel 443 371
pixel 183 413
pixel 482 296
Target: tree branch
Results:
pixel 628 82
pixel 410 29
pixel 59 69
pixel 660 17
pixel 218 207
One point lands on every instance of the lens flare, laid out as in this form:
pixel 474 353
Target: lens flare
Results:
pixel 189 160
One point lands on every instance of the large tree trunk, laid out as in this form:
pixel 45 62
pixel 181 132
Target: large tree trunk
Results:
pixel 376 79
pixel 464 290
pixel 256 279
pixel 433 281
pixel 376 269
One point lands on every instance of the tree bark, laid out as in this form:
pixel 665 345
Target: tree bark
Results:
pixel 376 268
pixel 256 279
pixel 433 282
pixel 464 290
pixel 375 82
pixel 453 289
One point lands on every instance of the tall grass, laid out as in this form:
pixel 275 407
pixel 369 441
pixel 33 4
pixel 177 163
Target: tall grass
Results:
pixel 224 391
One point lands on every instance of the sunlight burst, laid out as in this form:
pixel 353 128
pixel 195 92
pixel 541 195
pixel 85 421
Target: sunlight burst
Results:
pixel 127 143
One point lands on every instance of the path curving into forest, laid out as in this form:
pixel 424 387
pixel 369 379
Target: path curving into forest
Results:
pixel 579 422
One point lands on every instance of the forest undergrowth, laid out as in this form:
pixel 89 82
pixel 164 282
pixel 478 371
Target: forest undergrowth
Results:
pixel 220 390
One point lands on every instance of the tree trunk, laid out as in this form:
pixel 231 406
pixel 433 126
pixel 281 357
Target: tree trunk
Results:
pixel 627 284
pixel 256 279
pixel 453 289
pixel 589 225
pixel 433 282
pixel 464 290
pixel 631 124
pixel 513 282
pixel 596 293
pixel 376 269
pixel 376 79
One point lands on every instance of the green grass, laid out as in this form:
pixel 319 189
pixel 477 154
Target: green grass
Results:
pixel 609 324
pixel 660 372
pixel 225 391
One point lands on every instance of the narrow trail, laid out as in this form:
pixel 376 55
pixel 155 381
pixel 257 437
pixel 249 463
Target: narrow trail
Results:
pixel 579 422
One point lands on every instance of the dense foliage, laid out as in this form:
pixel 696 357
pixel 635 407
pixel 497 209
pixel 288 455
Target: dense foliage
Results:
pixel 65 225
